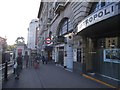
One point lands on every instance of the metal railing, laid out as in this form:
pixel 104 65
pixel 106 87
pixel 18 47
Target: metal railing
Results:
pixel 5 70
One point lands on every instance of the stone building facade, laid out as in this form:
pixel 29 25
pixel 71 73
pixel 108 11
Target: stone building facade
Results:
pixel 3 46
pixel 32 38
pixel 84 36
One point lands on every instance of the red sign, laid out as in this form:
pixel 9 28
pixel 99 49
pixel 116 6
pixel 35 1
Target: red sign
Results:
pixel 19 50
pixel 48 40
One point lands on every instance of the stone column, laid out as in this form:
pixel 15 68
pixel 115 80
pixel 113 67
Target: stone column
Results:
pixel 56 55
pixel 69 50
pixel 69 56
pixel 65 56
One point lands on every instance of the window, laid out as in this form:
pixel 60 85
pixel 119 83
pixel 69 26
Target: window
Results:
pixel 65 27
pixel 98 5
pixel 102 4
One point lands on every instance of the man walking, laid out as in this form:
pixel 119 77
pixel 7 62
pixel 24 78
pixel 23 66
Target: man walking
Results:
pixel 26 58
pixel 43 59
pixel 19 65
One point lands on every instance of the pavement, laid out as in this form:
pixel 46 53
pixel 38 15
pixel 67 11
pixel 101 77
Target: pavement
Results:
pixel 50 76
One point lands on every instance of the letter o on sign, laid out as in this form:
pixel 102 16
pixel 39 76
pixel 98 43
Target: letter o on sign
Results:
pixel 48 40
pixel 100 14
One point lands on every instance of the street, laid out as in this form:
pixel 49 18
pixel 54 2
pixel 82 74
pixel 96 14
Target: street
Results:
pixel 50 76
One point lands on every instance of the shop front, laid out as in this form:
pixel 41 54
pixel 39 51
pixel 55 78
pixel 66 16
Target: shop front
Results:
pixel 101 34
pixel 64 44
pixel 48 50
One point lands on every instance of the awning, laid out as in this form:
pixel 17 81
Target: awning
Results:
pixel 104 22
pixel 108 27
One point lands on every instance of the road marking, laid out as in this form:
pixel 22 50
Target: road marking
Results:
pixel 98 81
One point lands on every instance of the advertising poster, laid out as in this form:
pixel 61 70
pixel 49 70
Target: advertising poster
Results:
pixel 112 55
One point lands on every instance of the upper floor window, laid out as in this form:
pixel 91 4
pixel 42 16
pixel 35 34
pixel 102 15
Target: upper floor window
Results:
pixel 98 5
pixel 65 27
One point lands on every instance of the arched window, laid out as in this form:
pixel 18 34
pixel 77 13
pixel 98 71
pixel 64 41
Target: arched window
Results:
pixel 65 27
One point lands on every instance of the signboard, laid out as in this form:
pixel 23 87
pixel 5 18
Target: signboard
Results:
pixel 48 40
pixel 102 14
pixel 19 50
pixel 112 55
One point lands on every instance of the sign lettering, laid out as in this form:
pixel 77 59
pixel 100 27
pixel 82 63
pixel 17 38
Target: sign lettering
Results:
pixel 107 12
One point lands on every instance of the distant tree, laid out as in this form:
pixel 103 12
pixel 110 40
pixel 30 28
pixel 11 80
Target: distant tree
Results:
pixel 11 47
pixel 20 40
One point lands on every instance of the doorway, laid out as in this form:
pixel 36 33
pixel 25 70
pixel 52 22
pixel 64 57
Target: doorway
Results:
pixel 93 57
pixel 61 55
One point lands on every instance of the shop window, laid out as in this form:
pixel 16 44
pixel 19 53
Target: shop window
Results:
pixel 111 42
pixel 112 55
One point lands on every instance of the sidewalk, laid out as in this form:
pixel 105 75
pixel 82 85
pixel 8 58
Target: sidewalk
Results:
pixel 50 76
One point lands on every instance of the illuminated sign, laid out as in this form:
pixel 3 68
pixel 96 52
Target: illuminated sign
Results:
pixel 102 14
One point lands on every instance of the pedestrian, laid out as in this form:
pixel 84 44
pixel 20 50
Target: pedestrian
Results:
pixel 46 60
pixel 19 65
pixel 26 58
pixel 43 59
pixel 36 62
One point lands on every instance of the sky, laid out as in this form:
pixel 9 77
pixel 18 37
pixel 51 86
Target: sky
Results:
pixel 15 16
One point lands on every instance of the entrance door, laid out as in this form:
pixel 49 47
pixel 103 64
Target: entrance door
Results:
pixel 49 55
pixel 93 64
pixel 94 57
pixel 61 55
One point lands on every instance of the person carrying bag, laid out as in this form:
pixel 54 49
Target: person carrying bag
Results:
pixel 18 65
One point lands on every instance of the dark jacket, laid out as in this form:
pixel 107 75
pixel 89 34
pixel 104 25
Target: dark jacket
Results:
pixel 43 58
pixel 19 60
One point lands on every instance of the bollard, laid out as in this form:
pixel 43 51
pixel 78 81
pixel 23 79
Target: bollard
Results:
pixel 5 72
